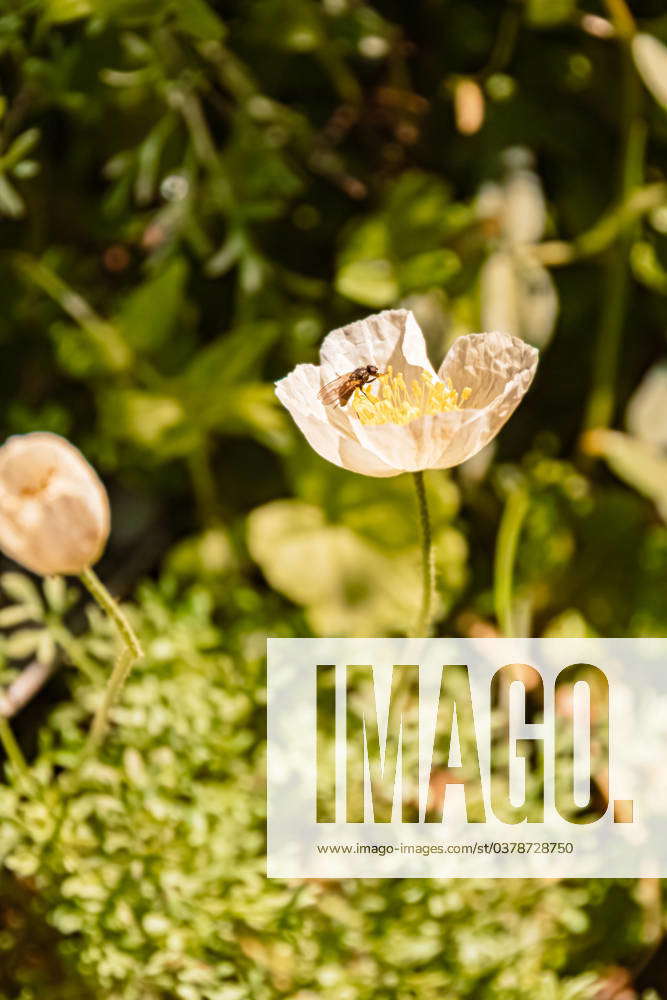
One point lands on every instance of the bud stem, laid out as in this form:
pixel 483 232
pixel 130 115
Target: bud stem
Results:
pixel 128 656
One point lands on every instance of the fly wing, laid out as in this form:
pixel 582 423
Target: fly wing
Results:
pixel 332 391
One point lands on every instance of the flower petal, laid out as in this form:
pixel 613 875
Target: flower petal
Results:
pixel 499 369
pixel 422 443
pixel 388 338
pixel 488 363
pixel 326 429
pixel 473 431
pixel 399 445
pixel 355 457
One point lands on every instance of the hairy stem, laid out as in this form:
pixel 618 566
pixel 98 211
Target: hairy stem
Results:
pixel 114 686
pixel 423 626
pixel 131 652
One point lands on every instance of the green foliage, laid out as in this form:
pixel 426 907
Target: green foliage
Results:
pixel 149 862
pixel 347 549
pixel 403 248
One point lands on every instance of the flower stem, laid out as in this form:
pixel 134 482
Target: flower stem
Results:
pixel 132 651
pixel 115 684
pixel 423 625
pixel 511 523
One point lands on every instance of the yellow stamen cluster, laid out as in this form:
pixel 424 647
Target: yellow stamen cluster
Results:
pixel 389 400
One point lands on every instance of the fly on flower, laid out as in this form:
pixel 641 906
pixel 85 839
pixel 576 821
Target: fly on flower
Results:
pixel 339 391
pixel 418 418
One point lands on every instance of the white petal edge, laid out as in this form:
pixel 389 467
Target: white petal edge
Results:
pixel 486 363
pixel 503 371
pixel 392 337
pixel 298 394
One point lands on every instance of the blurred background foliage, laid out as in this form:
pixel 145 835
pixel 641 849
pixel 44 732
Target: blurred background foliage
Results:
pixel 192 194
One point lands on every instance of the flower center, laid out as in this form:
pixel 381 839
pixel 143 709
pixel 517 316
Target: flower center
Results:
pixel 389 400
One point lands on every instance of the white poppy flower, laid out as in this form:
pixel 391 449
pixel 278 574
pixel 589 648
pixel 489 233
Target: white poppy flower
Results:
pixel 409 418
pixel 517 293
pixel 54 511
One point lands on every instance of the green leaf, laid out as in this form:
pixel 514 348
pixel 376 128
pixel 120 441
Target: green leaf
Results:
pixel 23 642
pixel 46 647
pixel 22 590
pixel 246 408
pixel 15 614
pixel 230 359
pixel 341 580
pixel 198 19
pixel 361 574
pixel 150 314
pixel 55 591
pixel 369 282
pixel 149 153
pixel 169 426
pixel 547 13
pixel 20 148
pixel 570 624
pixel 383 511
pixel 61 11
pixel 400 248
pixel 424 270
pixel 207 554
pixel 419 213
pixel 153 421
pixel 11 202
pixel 639 463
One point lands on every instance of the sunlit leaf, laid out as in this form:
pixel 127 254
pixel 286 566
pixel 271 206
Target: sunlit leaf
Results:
pixel 230 359
pixel 152 312
pixel 23 642
pixel 15 614
pixel 146 418
pixel 343 582
pixel 369 282
pixel 22 590
pixel 399 249
pixel 207 554
pixel 11 202
pixel 642 465
pixel 546 13
pixel 434 267
pixel 55 591
pixel 199 19
pixel 61 11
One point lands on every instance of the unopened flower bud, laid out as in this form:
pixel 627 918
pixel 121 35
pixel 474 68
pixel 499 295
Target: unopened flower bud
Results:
pixel 54 510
